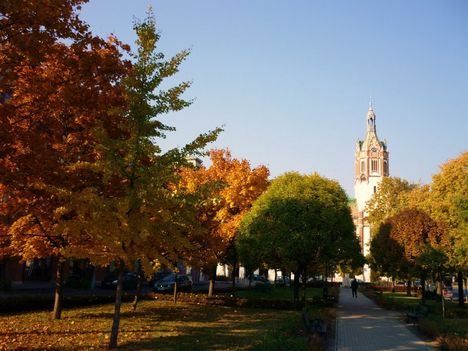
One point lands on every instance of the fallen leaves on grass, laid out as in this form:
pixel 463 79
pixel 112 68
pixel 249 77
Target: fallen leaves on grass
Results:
pixel 157 325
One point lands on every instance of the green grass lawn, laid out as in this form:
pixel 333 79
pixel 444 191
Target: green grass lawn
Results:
pixel 157 325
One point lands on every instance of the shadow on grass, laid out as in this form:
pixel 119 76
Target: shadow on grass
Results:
pixel 239 331
pixel 161 327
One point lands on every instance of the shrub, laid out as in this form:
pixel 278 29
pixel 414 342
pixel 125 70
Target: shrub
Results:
pixel 263 288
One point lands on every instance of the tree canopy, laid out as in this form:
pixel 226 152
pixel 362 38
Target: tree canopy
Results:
pixel 387 200
pixel 227 189
pixel 402 241
pixel 298 223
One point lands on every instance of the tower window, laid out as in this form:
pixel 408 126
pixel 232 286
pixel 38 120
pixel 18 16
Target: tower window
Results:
pixel 363 166
pixel 374 165
pixel 385 165
pixel 375 189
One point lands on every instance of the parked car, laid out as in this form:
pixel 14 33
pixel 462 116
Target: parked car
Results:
pixel 184 283
pixel 283 281
pixel 130 281
pixel 158 276
pixel 259 279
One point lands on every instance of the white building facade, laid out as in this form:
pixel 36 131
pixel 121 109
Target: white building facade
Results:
pixel 371 165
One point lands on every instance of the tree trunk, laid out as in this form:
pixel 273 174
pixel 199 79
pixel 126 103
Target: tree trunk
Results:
pixel 408 288
pixel 118 303
pixel 439 286
pixel 234 269
pixel 304 286
pixel 276 277
pixel 58 300
pixel 212 281
pixel 393 284
pixel 175 288
pixel 296 286
pixel 461 295
pixel 141 278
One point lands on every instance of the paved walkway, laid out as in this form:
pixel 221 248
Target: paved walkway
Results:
pixel 363 326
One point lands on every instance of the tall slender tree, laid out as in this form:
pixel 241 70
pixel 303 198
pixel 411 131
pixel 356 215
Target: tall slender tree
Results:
pixel 135 212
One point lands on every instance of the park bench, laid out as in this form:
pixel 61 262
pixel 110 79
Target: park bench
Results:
pixel 314 326
pixel 327 298
pixel 420 311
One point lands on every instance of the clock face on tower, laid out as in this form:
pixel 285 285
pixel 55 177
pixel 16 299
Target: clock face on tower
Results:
pixel 374 149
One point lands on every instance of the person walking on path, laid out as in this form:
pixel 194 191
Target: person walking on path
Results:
pixel 354 286
pixel 361 325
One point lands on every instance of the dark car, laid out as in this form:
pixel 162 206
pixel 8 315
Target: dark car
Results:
pixel 130 281
pixel 259 279
pixel 184 283
pixel 283 281
pixel 158 276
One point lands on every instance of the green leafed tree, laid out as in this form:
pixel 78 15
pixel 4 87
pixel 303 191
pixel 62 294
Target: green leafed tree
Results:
pixel 387 200
pixel 298 223
pixel 135 212
pixel 386 255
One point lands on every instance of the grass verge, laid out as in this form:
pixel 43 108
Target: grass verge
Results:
pixel 157 325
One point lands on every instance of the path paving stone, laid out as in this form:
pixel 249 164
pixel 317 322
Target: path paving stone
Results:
pixel 363 326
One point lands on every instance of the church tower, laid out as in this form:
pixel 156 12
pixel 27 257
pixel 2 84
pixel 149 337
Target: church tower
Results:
pixel 371 165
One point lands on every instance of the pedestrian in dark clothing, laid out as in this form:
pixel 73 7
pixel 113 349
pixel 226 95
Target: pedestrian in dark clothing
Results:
pixel 354 286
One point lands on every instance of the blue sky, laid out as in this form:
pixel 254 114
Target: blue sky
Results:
pixel 291 80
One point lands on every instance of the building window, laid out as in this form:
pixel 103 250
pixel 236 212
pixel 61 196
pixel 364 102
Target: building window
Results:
pixel 375 189
pixel 374 165
pixel 363 166
pixel 385 165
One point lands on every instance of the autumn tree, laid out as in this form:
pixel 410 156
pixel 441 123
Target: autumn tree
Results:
pixel 58 82
pixel 134 211
pixel 386 254
pixel 227 190
pixel 445 200
pixel 304 218
pixel 387 200
pixel 448 204
pixel 401 241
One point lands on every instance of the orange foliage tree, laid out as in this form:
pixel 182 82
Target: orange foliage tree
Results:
pixel 415 234
pixel 57 83
pixel 227 190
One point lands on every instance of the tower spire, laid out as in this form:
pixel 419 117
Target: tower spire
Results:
pixel 371 117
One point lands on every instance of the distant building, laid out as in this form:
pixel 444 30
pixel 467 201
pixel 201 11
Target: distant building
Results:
pixel 195 161
pixel 371 165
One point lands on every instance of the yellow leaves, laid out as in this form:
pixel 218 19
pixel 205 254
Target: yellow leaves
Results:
pixel 226 191
pixel 59 212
